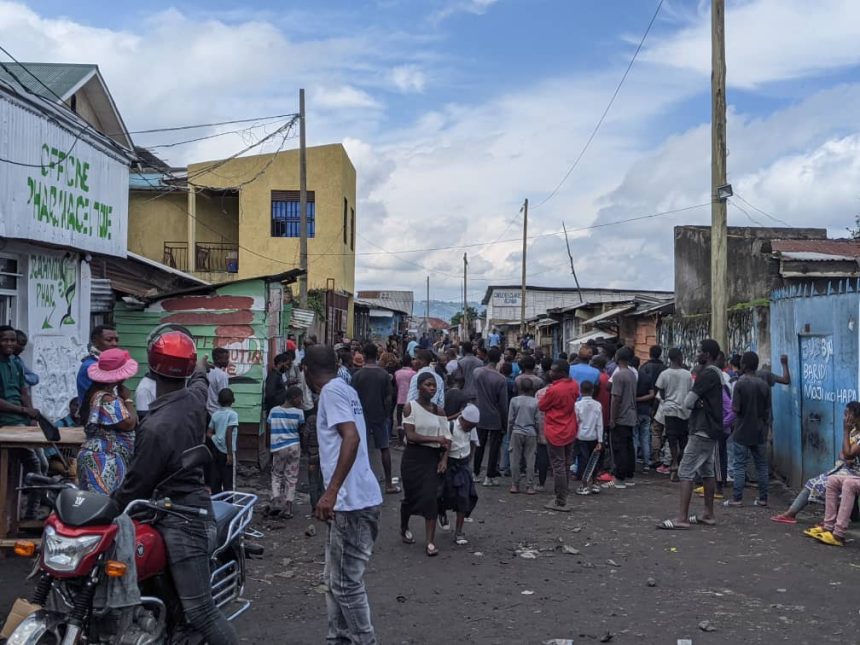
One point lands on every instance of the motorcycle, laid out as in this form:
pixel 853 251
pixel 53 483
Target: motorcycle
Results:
pixel 76 567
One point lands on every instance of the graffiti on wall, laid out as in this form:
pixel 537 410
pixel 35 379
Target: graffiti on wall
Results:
pixel 816 353
pixel 744 331
pixel 56 359
pixel 53 296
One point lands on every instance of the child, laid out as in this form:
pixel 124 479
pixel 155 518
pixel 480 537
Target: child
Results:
pixel 522 431
pixel 223 430
pixel 285 424
pixel 589 416
pixel 56 463
pixel 458 488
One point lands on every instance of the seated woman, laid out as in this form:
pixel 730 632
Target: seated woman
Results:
pixel 109 419
pixel 424 461
pixel 815 489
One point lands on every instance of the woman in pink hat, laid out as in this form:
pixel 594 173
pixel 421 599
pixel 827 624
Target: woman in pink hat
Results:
pixel 109 419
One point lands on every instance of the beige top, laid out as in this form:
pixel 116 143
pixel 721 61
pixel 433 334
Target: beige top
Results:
pixel 427 424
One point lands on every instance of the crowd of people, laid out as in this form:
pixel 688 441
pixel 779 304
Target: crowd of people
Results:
pixel 465 415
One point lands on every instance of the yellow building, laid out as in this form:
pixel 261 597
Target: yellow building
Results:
pixel 241 219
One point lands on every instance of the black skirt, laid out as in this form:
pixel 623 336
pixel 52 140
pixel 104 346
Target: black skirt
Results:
pixel 458 490
pixel 420 480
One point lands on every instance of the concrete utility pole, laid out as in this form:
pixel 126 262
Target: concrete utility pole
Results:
pixel 523 282
pixel 303 202
pixel 719 231
pixel 465 298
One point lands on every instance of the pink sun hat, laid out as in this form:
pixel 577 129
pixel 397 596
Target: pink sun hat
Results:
pixel 114 366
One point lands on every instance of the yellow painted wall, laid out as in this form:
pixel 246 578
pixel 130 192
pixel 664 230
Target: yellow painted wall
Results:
pixel 217 218
pixel 152 222
pixel 331 176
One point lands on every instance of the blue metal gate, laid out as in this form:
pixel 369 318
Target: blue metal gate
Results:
pixel 817 403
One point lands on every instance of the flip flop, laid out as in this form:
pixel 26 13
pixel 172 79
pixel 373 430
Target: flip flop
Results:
pixel 407 537
pixel 827 537
pixel 814 532
pixel 670 525
pixel 695 519
pixel 432 550
pixel 783 519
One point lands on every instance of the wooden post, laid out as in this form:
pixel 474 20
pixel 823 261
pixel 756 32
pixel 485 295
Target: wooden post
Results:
pixel 719 231
pixel 192 229
pixel 465 298
pixel 303 203
pixel 523 280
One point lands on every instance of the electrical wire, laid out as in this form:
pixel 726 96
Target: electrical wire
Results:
pixel 204 138
pixel 746 212
pixel 274 117
pixel 605 111
pixel 765 213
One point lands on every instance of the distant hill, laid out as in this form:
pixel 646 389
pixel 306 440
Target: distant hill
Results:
pixel 442 309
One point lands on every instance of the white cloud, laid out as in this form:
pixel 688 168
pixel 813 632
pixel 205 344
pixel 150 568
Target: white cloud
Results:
pixel 768 40
pixel 344 97
pixel 409 78
pixel 451 7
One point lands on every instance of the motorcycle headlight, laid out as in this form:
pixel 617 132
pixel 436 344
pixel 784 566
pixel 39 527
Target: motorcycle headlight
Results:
pixel 63 553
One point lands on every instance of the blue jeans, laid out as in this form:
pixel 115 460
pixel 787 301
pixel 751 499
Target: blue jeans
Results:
pixel 642 438
pixel 351 535
pixel 506 453
pixel 189 543
pixel 759 454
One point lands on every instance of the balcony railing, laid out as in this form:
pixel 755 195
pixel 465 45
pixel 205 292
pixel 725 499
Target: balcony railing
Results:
pixel 211 257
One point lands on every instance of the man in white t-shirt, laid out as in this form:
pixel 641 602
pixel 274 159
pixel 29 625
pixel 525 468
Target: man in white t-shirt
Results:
pixel 218 378
pixel 351 501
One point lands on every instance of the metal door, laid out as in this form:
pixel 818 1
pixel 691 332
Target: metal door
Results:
pixel 817 405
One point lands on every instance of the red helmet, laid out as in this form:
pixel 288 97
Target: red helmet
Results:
pixel 172 354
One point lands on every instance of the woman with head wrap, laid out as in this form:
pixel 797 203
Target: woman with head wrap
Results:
pixel 424 461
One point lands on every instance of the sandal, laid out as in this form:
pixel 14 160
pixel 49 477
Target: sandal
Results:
pixel 695 519
pixel 407 537
pixel 815 531
pixel 783 519
pixel 432 550
pixel 670 525
pixel 461 540
pixel 830 538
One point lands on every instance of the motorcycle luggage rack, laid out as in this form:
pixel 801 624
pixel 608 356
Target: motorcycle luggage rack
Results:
pixel 245 501
pixel 225 583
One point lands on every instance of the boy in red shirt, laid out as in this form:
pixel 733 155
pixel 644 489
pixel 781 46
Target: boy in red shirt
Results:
pixel 558 406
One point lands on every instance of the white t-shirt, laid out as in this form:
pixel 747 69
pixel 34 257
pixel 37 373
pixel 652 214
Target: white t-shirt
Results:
pixel 461 440
pixel 218 380
pixel 339 403
pixel 144 395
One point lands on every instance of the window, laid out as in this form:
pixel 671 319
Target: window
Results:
pixel 352 230
pixel 9 290
pixel 345 211
pixel 286 215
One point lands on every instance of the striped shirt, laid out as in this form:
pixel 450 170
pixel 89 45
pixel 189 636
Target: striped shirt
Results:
pixel 284 424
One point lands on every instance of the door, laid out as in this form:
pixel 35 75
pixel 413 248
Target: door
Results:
pixel 818 425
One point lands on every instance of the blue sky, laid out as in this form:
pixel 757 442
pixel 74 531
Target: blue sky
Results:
pixel 453 111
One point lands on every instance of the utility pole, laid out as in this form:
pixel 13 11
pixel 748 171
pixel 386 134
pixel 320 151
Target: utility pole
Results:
pixel 427 309
pixel 465 298
pixel 523 282
pixel 303 203
pixel 719 231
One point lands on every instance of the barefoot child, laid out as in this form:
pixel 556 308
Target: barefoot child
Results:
pixel 458 488
pixel 285 422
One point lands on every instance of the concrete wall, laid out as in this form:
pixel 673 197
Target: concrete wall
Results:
pixel 152 222
pixel 818 330
pixel 752 274
pixel 331 176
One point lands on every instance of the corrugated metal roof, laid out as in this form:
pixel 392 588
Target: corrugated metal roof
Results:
pixel 401 301
pixel 301 318
pixel 61 78
pixel 101 295
pixel 606 315
pixel 818 249
pixel 595 335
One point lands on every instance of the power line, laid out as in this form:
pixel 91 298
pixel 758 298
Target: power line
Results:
pixel 746 212
pixel 204 138
pixel 274 117
pixel 605 111
pixel 765 213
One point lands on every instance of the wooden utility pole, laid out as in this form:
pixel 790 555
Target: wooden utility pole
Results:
pixel 465 298
pixel 523 281
pixel 303 203
pixel 719 231
pixel 427 309
pixel 570 255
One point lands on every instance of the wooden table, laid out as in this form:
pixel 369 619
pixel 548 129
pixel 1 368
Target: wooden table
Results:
pixel 16 437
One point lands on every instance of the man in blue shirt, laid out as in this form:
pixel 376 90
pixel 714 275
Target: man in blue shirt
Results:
pixel 494 339
pixel 581 370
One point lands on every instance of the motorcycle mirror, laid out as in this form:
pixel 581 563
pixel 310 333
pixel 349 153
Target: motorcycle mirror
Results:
pixel 195 457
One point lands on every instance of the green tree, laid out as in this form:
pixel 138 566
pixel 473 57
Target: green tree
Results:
pixel 854 231
pixel 457 318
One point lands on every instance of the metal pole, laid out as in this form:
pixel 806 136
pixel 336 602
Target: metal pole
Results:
pixel 427 309
pixel 523 283
pixel 303 203
pixel 719 231
pixel 465 297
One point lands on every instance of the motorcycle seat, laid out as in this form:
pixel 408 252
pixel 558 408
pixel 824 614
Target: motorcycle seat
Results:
pixel 224 514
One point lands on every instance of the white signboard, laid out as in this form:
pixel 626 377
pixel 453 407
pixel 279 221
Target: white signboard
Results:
pixel 507 298
pixel 68 192
pixel 53 293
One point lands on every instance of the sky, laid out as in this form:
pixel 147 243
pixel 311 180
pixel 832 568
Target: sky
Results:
pixel 456 111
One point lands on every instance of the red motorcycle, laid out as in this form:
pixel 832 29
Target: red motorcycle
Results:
pixel 76 567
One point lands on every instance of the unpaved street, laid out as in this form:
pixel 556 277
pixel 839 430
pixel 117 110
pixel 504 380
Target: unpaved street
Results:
pixel 752 580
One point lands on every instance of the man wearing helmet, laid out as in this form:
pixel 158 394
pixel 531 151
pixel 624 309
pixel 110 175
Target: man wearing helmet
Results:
pixel 176 422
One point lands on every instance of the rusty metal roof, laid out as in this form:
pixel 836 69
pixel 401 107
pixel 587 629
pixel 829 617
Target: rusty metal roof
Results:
pixel 818 249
